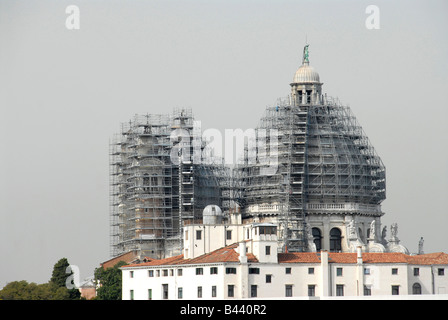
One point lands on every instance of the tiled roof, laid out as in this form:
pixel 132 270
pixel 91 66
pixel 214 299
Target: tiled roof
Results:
pixel 430 258
pixel 367 257
pixel 298 257
pixel 229 254
pixel 226 254
pixel 156 262
pixel 386 257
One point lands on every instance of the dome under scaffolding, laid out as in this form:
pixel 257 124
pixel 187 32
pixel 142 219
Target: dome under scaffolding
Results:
pixel 327 168
pixel 309 169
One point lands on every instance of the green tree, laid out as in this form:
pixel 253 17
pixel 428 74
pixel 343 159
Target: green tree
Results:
pixel 16 290
pixel 55 289
pixel 59 275
pixel 22 290
pixel 110 282
pixel 59 280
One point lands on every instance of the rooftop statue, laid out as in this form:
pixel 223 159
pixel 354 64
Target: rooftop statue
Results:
pixel 305 54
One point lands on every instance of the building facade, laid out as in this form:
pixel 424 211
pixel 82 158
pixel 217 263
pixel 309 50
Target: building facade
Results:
pixel 253 268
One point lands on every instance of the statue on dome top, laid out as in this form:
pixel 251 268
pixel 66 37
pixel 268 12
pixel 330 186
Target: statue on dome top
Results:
pixel 305 54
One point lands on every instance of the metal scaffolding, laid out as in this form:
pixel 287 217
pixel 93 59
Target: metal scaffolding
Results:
pixel 308 156
pixel 155 186
pixel 323 157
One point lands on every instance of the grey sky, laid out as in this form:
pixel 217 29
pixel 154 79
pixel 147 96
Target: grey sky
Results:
pixel 64 93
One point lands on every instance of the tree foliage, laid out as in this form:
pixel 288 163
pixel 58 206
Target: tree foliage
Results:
pixel 22 290
pixel 110 281
pixel 60 276
pixel 55 289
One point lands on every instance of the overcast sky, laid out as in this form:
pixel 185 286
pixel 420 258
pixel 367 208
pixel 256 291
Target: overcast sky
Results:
pixel 64 93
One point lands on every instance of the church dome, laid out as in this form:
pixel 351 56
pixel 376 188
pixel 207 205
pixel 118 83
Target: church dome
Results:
pixel 306 74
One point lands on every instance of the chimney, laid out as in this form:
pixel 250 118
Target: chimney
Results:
pixel 242 251
pixel 359 272
pixel 359 255
pixel 325 274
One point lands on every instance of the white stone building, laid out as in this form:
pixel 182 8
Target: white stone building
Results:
pixel 311 227
pixel 252 267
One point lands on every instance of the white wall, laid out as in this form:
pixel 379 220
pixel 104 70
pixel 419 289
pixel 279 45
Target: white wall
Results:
pixel 380 280
pixel 213 237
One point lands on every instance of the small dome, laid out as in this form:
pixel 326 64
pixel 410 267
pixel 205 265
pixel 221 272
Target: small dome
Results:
pixel 307 74
pixel 212 210
pixel 212 214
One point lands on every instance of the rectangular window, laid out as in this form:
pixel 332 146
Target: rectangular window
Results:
pixel 366 271
pixel 198 234
pixel 254 270
pixel 179 293
pixel 268 250
pixel 339 272
pixel 213 270
pixel 288 270
pixel 157 273
pixel 416 271
pixel 367 291
pixel 199 292
pixel 150 273
pixel 231 290
pixel 441 271
pixel 340 290
pixel 394 270
pixel 165 272
pixel 213 291
pixel 149 294
pixel 311 290
pixel 268 278
pixel 131 294
pixel 165 291
pixel 131 274
pixel 308 96
pixel 229 235
pixel 288 290
pixel 199 271
pixel 179 272
pixel 230 270
pixel 171 272
pixel 395 290
pixel 253 291
pixel 310 270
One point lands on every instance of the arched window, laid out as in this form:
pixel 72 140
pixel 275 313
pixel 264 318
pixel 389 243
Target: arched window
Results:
pixel 146 182
pixel 335 240
pixel 416 288
pixel 317 236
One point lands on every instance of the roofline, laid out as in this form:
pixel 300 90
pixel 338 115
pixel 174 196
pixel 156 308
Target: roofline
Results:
pixel 158 266
pixel 116 257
